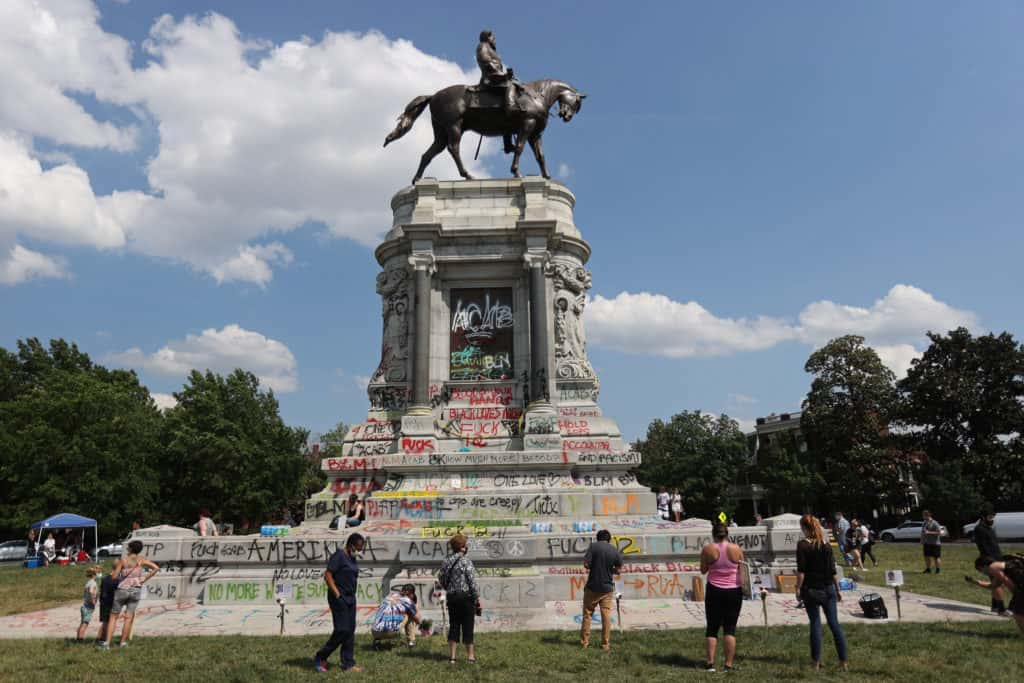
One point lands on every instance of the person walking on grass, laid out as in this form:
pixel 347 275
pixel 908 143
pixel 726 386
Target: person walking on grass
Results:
pixel 90 596
pixel 602 562
pixel 931 543
pixel 817 585
pixel 1008 572
pixel 839 530
pixel 458 578
pixel 867 543
pixel 341 577
pixel 988 546
pixel 128 571
pixel 723 597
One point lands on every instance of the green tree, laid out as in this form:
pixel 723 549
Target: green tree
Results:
pixel 700 454
pixel 846 418
pixel 74 437
pixel 786 468
pixel 330 441
pixel 964 405
pixel 229 450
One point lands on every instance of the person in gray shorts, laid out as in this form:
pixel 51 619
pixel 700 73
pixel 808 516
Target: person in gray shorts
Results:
pixel 129 573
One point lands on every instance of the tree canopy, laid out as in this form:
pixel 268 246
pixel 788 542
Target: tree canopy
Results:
pixel 699 453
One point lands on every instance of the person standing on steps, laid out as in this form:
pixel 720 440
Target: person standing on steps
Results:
pixel 663 503
pixel 817 585
pixel 603 561
pixel 677 505
pixel 931 543
pixel 341 578
pixel 723 596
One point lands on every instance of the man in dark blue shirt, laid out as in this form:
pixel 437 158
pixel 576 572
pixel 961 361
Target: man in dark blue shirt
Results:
pixel 603 561
pixel 341 577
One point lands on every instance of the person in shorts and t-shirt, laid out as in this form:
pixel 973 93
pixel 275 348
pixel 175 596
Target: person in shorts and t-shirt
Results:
pixel 397 614
pixel 90 596
pixel 931 542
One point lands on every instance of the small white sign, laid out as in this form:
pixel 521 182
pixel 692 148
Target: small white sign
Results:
pixel 894 577
pixel 619 585
pixel 282 590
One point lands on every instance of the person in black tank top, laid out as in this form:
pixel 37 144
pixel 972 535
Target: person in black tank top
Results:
pixel 818 586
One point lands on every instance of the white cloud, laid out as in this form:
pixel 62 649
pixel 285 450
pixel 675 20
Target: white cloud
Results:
pixel 653 324
pixel 222 351
pixel 742 399
pixel 164 401
pixel 23 264
pixel 362 381
pixel 255 139
pixel 564 170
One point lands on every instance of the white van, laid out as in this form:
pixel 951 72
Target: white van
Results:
pixel 1007 525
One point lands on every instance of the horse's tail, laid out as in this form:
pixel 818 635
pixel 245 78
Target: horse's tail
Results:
pixel 408 117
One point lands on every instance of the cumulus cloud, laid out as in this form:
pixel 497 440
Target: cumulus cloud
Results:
pixel 652 324
pixel 164 401
pixel 255 138
pixel 742 399
pixel 23 264
pixel 221 351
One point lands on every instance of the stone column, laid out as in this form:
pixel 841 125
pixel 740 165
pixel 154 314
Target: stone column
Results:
pixel 539 350
pixel 423 266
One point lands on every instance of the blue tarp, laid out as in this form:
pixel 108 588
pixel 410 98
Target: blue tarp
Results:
pixel 64 520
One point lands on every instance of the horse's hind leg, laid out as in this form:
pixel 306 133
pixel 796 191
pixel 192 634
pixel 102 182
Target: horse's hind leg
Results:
pixel 454 140
pixel 432 151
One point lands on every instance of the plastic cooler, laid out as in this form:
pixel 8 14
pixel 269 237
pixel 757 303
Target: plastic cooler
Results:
pixel 33 563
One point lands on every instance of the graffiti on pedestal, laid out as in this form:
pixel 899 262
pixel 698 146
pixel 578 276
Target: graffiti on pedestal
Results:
pixel 481 334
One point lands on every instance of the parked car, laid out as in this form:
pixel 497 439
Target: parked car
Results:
pixel 908 531
pixel 110 550
pixel 1007 525
pixel 14 551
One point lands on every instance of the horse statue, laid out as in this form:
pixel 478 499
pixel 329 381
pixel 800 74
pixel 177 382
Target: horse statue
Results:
pixel 460 108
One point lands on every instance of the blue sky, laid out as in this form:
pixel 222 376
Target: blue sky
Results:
pixel 188 183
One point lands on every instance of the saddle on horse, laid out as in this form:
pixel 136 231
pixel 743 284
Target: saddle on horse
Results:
pixel 494 96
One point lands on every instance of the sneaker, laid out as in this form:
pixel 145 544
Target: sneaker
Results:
pixel 412 644
pixel 731 669
pixel 124 643
pixel 102 646
pixel 927 571
pixel 353 670
pixel 709 667
pixel 319 664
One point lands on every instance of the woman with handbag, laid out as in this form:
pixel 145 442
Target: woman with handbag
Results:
pixel 458 578
pixel 817 585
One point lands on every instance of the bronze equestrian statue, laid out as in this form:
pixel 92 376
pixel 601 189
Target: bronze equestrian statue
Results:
pixel 500 105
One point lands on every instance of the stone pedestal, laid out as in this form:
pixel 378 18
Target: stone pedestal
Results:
pixel 484 421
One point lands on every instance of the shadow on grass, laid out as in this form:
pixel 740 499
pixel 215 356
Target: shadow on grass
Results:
pixel 557 639
pixel 676 660
pixel 956 608
pixel 1008 635
pixel 303 663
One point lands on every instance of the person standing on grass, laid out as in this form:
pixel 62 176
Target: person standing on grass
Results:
pixel 839 530
pixel 128 572
pixel 458 578
pixel 931 542
pixel 817 585
pixel 602 560
pixel 1008 572
pixel 723 597
pixel 108 586
pixel 853 544
pixel 341 577
pixel 90 596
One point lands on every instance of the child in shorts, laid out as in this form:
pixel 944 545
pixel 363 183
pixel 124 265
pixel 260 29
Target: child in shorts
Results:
pixel 90 596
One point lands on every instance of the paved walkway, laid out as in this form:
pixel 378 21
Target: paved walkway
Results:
pixel 167 618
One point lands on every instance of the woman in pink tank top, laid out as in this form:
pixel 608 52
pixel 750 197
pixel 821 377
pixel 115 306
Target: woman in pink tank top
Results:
pixel 723 596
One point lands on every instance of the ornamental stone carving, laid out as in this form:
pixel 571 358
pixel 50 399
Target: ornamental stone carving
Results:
pixel 571 283
pixel 393 287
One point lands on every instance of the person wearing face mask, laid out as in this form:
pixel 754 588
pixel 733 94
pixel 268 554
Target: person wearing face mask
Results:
pixel 341 577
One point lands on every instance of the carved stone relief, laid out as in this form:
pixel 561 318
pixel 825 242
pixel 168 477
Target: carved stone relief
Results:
pixel 571 283
pixel 393 287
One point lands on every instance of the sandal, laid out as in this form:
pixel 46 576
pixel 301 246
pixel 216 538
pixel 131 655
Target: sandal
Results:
pixel 451 661
pixel 471 661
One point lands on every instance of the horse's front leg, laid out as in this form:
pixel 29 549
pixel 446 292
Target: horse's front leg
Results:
pixel 538 154
pixel 523 136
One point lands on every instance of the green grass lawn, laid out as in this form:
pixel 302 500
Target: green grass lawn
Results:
pixel 957 560
pixel 989 651
pixel 26 590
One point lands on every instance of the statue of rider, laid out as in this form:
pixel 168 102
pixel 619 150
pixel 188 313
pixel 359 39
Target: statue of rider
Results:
pixel 494 73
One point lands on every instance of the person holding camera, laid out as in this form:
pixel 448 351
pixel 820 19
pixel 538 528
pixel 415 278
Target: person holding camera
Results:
pixel 817 584
pixel 458 578
pixel 602 560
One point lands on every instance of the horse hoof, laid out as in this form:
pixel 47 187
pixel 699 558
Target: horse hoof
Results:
pixel 467 176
